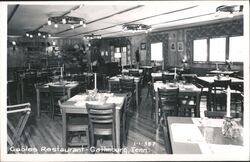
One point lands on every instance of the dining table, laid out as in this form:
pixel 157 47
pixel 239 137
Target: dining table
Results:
pixel 207 81
pixel 189 135
pixel 44 88
pixel 126 71
pixel 77 105
pixel 224 72
pixel 185 89
pixel 137 80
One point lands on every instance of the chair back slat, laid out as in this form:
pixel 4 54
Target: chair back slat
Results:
pixel 168 98
pixel 167 77
pixel 127 85
pixel 134 73
pixel 189 78
pixel 222 83
pixel 101 113
pixel 57 91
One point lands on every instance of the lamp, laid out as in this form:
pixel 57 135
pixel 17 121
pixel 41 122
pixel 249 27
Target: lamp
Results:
pixel 136 28
pixel 36 33
pixel 67 20
pixel 229 9
pixel 92 36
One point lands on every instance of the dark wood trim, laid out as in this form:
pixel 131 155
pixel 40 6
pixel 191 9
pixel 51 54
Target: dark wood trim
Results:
pixel 13 13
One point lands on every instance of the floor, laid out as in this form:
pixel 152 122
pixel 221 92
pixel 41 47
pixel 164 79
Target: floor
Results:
pixel 44 135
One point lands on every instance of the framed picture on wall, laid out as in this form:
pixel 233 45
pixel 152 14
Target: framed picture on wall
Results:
pixel 173 46
pixel 180 46
pixel 143 46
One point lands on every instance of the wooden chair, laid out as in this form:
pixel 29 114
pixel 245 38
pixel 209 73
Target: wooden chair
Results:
pixel 30 80
pixel 189 78
pixel 15 130
pixel 218 93
pixel 215 114
pixel 101 121
pixel 128 85
pixel 168 101
pixel 152 94
pixel 77 124
pixel 187 105
pixel 167 77
pixel 134 73
pixel 237 97
pixel 83 83
pixel 56 92
pixel 125 117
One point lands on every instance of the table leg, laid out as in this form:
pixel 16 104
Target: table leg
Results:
pixel 156 109
pixel 109 86
pixel 117 129
pixel 64 136
pixel 137 96
pixel 198 105
pixel 22 91
pixel 69 92
pixel 38 102
pixel 209 98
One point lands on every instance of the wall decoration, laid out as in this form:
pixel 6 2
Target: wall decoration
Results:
pixel 172 46
pixel 143 46
pixel 180 46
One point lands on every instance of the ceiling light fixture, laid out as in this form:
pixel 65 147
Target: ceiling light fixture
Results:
pixel 92 36
pixel 136 28
pixel 66 20
pixel 36 33
pixel 229 9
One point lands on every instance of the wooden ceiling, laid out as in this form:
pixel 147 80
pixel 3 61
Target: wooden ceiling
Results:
pixel 107 18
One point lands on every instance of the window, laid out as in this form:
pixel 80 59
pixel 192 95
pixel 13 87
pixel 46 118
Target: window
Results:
pixel 236 49
pixel 156 51
pixel 200 50
pixel 217 49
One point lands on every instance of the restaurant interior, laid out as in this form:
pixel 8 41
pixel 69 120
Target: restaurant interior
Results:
pixel 128 78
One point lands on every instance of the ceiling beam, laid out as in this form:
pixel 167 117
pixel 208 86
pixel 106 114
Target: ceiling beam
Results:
pixel 134 21
pixel 13 13
pixel 103 18
pixel 186 18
